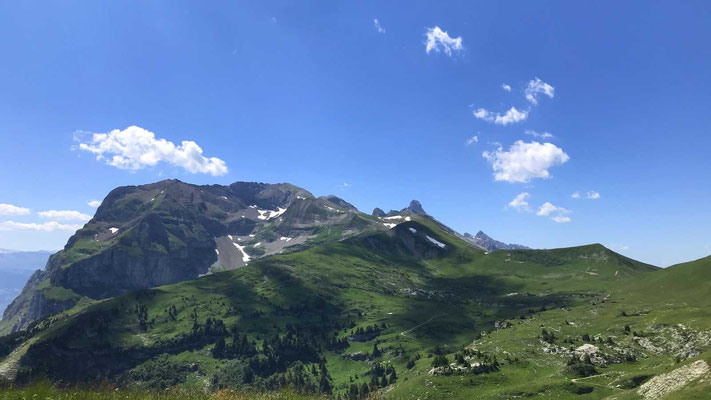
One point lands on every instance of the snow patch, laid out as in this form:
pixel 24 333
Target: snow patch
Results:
pixel 408 219
pixel 258 244
pixel 394 217
pixel 269 214
pixel 284 238
pixel 217 251
pixel 245 256
pixel 437 242
pixel 114 230
pixel 389 226
pixel 224 197
pixel 413 230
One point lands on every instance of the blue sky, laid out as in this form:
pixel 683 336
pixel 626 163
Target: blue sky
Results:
pixel 317 95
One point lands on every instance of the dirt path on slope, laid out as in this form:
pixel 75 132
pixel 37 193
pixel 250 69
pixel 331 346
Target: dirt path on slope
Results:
pixel 403 333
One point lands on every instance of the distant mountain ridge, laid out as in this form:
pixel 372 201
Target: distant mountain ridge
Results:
pixel 15 268
pixel 17 259
pixel 487 243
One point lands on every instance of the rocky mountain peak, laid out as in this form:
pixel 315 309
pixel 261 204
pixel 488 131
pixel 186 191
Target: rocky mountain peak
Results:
pixel 377 212
pixel 416 208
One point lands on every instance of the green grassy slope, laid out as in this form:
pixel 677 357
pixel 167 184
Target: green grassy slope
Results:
pixel 326 318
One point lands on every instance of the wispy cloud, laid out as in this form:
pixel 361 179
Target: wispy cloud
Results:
pixel 9 209
pixel 439 40
pixel 64 215
pixel 592 195
pixel 50 226
pixel 539 135
pixel 94 203
pixel 525 161
pixel 536 87
pixel 378 27
pixel 520 202
pixel 557 214
pixel 506 87
pixel 511 116
pixel 472 140
pixel 135 148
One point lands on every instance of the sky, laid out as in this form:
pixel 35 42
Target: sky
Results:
pixel 545 123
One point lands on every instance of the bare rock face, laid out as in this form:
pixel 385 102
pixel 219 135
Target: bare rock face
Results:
pixel 665 384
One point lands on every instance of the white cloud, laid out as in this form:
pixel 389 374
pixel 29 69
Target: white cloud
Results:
pixel 439 40
pixel 592 195
pixel 557 214
pixel 544 135
pixel 472 140
pixel 379 28
pixel 9 209
pixel 94 203
pixel 64 215
pixel 536 87
pixel 511 116
pixel 50 226
pixel 506 87
pixel 546 209
pixel 520 202
pixel 525 161
pixel 135 148
pixel 483 114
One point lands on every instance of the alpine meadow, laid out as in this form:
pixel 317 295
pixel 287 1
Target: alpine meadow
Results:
pixel 185 185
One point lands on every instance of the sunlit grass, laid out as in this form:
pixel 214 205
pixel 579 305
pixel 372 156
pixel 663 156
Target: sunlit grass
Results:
pixel 46 391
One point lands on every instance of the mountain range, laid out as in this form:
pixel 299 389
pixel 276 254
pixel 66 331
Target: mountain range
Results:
pixel 267 286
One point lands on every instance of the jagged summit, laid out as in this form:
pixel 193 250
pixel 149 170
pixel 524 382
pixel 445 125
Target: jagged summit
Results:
pixel 415 207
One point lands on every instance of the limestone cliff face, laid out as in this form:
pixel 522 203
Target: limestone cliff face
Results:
pixel 167 232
